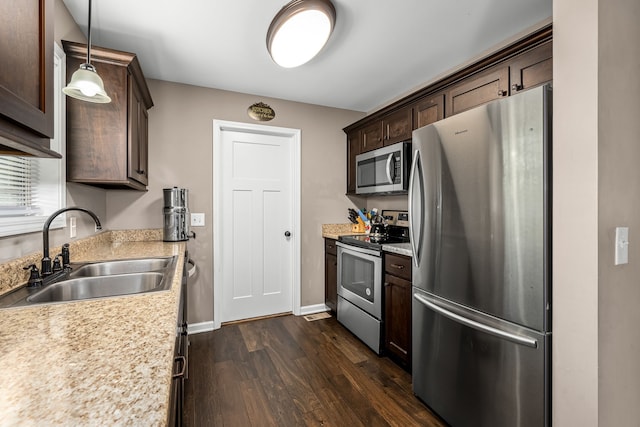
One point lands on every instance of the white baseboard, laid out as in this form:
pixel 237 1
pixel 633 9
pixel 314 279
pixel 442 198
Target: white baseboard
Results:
pixel 196 328
pixel 312 309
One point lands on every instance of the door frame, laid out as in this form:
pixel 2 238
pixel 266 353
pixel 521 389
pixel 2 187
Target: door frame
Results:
pixel 220 126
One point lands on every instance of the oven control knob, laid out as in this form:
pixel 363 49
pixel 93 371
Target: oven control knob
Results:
pixel 287 234
pixel 368 291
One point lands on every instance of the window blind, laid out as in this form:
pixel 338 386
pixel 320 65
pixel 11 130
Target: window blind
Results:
pixel 19 179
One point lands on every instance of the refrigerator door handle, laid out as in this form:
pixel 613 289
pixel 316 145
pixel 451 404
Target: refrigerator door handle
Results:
pixel 415 221
pixel 518 339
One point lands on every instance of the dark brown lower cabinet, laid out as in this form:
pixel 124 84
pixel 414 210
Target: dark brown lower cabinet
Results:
pixel 330 274
pixel 397 309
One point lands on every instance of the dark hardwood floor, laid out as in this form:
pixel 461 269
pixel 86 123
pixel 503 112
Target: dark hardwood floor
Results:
pixel 285 371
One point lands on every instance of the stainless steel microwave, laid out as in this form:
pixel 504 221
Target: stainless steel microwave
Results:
pixel 385 170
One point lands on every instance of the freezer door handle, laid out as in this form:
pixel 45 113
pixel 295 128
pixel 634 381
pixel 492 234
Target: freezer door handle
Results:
pixel 518 339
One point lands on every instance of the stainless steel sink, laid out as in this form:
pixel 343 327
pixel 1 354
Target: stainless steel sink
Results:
pixel 99 280
pixel 98 287
pixel 107 268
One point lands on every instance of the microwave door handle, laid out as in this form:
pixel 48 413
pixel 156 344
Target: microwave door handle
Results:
pixel 389 165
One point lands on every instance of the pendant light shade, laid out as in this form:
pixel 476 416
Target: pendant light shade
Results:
pixel 299 31
pixel 85 83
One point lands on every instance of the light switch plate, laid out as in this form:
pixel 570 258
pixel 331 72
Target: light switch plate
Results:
pixel 72 227
pixel 197 220
pixel 622 245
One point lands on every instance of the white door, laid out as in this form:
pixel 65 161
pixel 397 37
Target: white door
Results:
pixel 256 209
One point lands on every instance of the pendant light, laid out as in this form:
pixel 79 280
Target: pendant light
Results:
pixel 299 31
pixel 85 83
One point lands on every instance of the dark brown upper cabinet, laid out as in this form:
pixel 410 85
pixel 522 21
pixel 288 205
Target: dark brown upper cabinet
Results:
pixel 397 126
pixel 26 78
pixel 477 90
pixel 532 68
pixel 107 144
pixel 522 65
pixel 371 137
pixel 428 110
pixel 353 149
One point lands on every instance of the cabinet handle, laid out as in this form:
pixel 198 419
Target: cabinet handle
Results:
pixel 400 349
pixel 387 284
pixel 516 87
pixel 184 366
pixel 502 92
pixel 398 266
pixel 140 171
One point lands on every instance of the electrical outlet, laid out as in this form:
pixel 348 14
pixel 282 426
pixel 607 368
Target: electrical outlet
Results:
pixel 197 220
pixel 72 226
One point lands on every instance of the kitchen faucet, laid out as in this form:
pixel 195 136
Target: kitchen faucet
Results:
pixel 46 261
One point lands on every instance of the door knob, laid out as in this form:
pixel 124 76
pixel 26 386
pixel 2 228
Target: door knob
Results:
pixel 287 234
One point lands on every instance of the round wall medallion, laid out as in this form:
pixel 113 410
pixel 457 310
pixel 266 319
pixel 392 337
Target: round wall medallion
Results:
pixel 261 112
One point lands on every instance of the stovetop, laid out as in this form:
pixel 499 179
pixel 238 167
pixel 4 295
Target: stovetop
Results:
pixel 396 234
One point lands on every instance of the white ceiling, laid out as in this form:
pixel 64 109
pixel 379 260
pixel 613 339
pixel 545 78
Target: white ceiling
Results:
pixel 379 50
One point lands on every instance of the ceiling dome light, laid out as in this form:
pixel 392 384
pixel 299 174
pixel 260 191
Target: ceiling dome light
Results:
pixel 85 83
pixel 299 31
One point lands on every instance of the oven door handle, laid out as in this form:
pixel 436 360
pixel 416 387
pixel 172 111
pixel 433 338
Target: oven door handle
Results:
pixel 358 249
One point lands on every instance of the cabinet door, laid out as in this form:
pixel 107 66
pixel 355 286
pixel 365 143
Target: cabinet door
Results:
pixel 371 137
pixel 138 138
pixel 97 133
pixel 107 144
pixel 398 265
pixel 397 126
pixel 330 275
pixel 532 68
pixel 353 149
pixel 397 293
pixel 26 77
pixel 428 110
pixel 486 86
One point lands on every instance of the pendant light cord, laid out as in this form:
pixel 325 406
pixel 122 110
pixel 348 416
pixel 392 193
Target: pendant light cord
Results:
pixel 89 37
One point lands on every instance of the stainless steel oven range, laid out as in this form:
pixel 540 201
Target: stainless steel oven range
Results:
pixel 360 292
pixel 360 280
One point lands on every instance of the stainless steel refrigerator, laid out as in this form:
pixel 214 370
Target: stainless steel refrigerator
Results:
pixel 479 212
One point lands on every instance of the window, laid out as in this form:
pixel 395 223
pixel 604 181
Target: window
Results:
pixel 31 189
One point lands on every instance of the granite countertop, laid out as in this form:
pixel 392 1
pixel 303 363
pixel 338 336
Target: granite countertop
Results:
pixel 398 248
pixel 334 231
pixel 106 361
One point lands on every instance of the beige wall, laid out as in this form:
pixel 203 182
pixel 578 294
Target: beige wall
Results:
pixel 181 154
pixel 596 375
pixel 618 205
pixel 575 213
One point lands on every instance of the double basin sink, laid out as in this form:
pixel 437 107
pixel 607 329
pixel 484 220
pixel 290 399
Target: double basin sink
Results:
pixel 99 280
